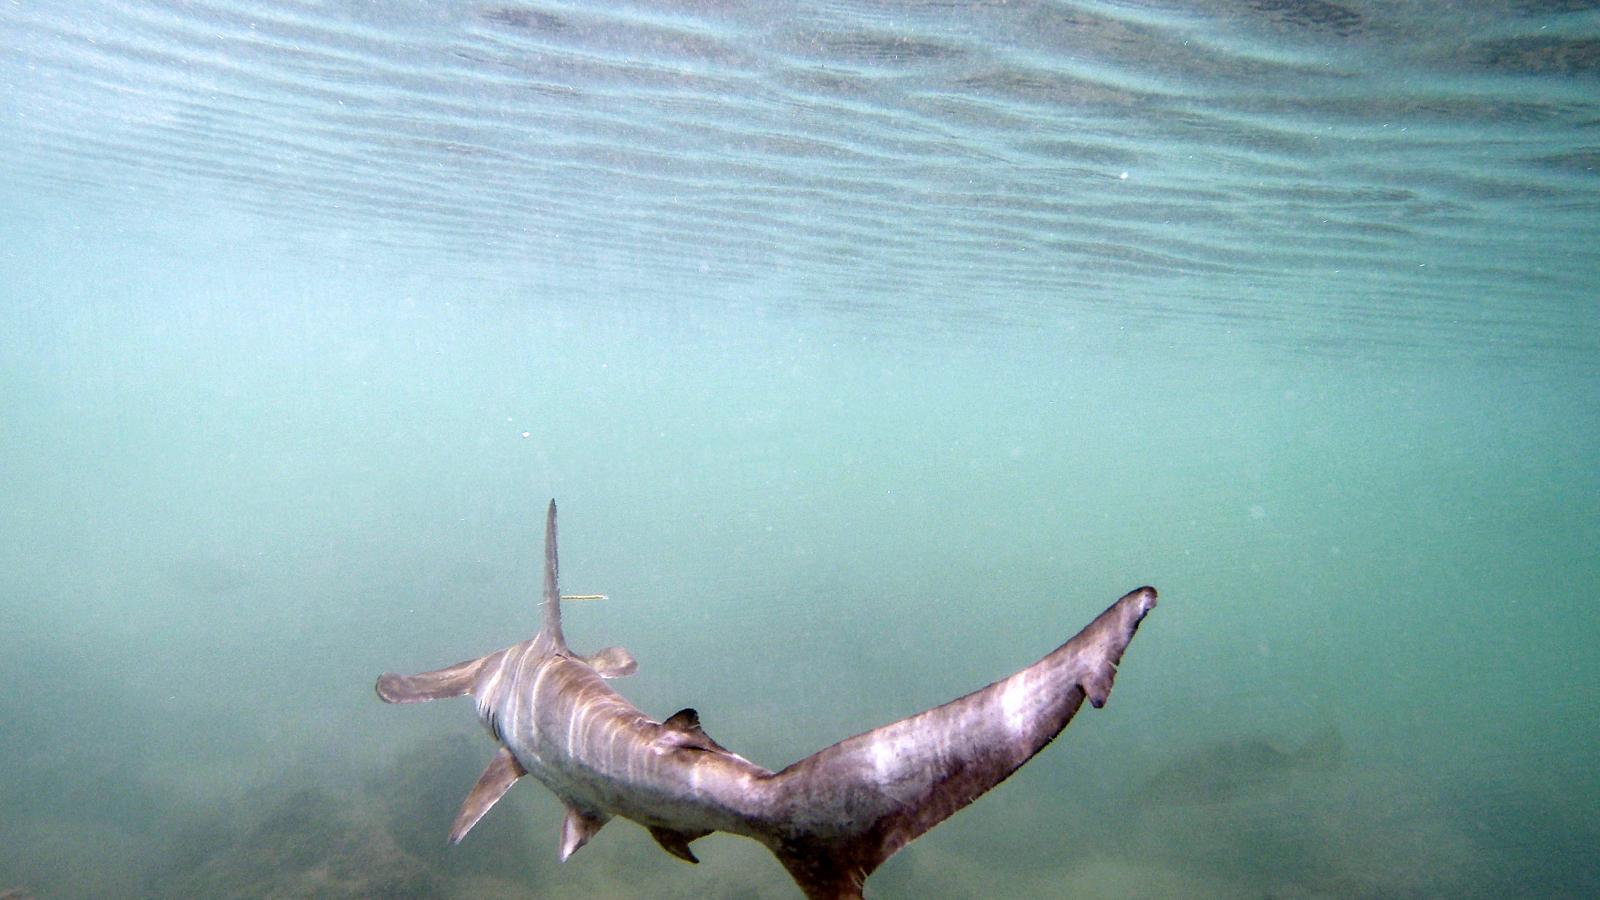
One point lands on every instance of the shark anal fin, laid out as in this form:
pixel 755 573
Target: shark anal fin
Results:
pixel 612 662
pixel 501 773
pixel 577 829
pixel 438 685
pixel 683 730
pixel 677 842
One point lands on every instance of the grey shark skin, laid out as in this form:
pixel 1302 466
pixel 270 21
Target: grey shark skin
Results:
pixel 831 818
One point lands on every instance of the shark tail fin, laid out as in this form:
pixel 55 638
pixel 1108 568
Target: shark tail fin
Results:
pixel 839 813
pixel 550 606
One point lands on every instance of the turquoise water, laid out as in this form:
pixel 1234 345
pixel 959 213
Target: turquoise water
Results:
pixel 870 350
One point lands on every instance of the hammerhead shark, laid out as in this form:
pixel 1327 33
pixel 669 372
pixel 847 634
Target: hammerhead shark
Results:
pixel 831 818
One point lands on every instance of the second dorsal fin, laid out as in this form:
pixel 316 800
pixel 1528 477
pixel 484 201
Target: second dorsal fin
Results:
pixel 683 730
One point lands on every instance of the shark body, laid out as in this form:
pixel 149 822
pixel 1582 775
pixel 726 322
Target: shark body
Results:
pixel 831 818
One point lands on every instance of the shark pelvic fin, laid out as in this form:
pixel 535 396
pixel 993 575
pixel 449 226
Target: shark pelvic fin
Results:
pixel 677 842
pixel 438 685
pixel 578 828
pixel 612 662
pixel 683 730
pixel 502 772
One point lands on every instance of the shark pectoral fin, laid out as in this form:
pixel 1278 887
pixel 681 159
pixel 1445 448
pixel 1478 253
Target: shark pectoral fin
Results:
pixel 677 842
pixel 683 730
pixel 451 682
pixel 612 662
pixel 577 829
pixel 502 772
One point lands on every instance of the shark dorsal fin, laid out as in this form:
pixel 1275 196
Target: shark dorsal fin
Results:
pixel 683 730
pixel 550 607
pixel 502 772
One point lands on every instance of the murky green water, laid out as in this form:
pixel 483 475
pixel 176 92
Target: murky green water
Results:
pixel 870 350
